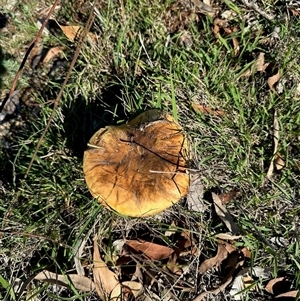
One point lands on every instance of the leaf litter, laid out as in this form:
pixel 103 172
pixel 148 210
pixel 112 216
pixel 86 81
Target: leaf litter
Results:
pixel 80 282
pixel 149 249
pixel 105 280
pixel 224 215
pixel 172 254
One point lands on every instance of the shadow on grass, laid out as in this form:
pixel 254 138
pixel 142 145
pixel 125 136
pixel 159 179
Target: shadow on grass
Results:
pixel 85 117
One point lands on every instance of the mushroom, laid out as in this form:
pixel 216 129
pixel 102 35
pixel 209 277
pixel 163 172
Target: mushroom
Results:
pixel 138 168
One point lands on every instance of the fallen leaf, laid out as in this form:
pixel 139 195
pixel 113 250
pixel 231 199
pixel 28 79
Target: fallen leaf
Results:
pixel 150 249
pixel 246 252
pixel 248 72
pixel 273 80
pixel 259 66
pixel 294 11
pixel 207 110
pixel 236 46
pixel 80 282
pixel 138 274
pixel 276 139
pixel 136 288
pixel 291 294
pixel 240 283
pixel 227 280
pixel 72 32
pixel 224 215
pixel 226 236
pixel 105 280
pixel 228 196
pixel 279 162
pixel 77 256
pixel 244 279
pixel 278 286
pixel 183 242
pixel 36 54
pixel 172 229
pixel 52 53
pixel 235 42
pixel 223 250
pixel 260 62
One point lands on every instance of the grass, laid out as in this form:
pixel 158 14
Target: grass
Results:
pixel 135 65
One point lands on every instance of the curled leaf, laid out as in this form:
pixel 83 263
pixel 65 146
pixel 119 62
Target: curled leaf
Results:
pixel 105 280
pixel 223 250
pixel 80 282
pixel 224 215
pixel 273 80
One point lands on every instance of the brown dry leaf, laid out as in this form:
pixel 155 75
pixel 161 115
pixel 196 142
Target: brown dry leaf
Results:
pixel 224 215
pixel 247 73
pixel 226 236
pixel 125 290
pixel 80 282
pixel 136 288
pixel 294 11
pixel 227 197
pixel 184 242
pixel 52 52
pixel 260 62
pixel 227 280
pixel 246 252
pixel 279 162
pixel 35 55
pixel 207 110
pixel 291 294
pixel 150 249
pixel 273 80
pixel 236 46
pixel 224 249
pixel 260 66
pixel 270 286
pixel 221 23
pixel 72 32
pixel 105 280
pixel 235 42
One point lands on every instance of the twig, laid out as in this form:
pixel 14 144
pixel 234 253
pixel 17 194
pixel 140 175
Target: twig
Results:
pixel 32 45
pixel 263 13
pixel 56 102
pixel 59 95
pixel 276 138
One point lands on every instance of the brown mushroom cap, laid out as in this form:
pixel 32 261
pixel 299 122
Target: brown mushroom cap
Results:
pixel 138 168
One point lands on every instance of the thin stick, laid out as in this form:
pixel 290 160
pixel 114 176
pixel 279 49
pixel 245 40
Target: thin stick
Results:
pixel 59 95
pixel 32 45
pixel 263 13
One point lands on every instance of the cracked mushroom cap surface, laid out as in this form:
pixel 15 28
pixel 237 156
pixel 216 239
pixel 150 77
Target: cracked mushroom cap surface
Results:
pixel 138 168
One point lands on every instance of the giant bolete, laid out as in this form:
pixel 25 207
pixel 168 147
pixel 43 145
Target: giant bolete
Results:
pixel 138 168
